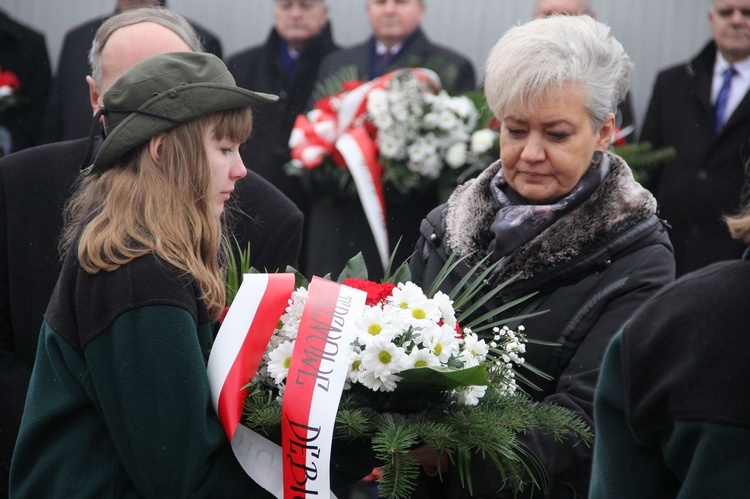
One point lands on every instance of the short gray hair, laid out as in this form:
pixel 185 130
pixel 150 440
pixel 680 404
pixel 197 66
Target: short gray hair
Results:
pixel 158 15
pixel 550 53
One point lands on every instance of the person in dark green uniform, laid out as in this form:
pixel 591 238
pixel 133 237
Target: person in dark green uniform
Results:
pixel 672 406
pixel 119 403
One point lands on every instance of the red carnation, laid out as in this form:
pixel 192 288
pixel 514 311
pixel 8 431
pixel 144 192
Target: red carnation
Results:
pixel 9 79
pixel 376 292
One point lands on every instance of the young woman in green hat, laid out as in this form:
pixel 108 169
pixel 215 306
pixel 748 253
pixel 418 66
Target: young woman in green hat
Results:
pixel 119 401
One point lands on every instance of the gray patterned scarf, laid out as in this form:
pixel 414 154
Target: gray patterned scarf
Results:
pixel 518 222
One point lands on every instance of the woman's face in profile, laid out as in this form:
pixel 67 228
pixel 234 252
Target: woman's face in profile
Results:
pixel 545 153
pixel 226 168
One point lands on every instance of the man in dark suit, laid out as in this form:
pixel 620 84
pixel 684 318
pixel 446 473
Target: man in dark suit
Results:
pixel 67 116
pixel 706 178
pixel 24 68
pixel 35 183
pixel 398 41
pixel 286 64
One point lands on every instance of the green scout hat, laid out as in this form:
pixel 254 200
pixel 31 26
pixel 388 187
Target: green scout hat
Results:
pixel 161 92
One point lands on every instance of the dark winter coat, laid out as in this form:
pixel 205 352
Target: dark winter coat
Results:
pixel 262 69
pixel 672 405
pixel 119 402
pixel 591 269
pixel 705 179
pixel 23 51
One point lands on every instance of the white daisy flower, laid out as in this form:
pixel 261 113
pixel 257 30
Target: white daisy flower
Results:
pixel 421 357
pixel 441 341
pixel 374 323
pixel 470 395
pixel 405 294
pixel 475 346
pixel 279 360
pixel 445 304
pixel 383 358
pixel 374 383
pixel 355 365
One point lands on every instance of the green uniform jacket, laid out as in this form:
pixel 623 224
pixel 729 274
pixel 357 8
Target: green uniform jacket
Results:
pixel 672 407
pixel 119 402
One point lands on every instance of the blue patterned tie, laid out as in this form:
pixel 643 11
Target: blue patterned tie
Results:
pixel 721 100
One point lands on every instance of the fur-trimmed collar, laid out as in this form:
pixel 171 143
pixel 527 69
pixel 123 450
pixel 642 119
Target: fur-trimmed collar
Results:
pixel 619 203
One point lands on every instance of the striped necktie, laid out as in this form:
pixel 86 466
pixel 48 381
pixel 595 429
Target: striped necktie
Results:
pixel 721 100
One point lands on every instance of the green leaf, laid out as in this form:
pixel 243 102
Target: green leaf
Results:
pixel 355 267
pixel 439 378
pixel 235 270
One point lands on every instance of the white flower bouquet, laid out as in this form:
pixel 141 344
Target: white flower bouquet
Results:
pixel 402 329
pixel 420 367
pixel 410 131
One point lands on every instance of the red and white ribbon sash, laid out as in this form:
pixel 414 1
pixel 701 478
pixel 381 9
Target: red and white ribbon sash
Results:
pixel 242 340
pixel 317 373
pixel 235 357
pixel 301 468
pixel 359 152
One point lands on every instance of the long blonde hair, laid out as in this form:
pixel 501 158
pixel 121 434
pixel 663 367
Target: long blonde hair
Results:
pixel 139 207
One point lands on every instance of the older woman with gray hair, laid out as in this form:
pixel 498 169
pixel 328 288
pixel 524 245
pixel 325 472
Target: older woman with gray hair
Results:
pixel 565 217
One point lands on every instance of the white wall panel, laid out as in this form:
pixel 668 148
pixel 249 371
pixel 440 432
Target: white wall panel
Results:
pixel 656 33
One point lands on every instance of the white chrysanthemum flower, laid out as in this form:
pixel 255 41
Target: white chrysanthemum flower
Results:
pixel 482 140
pixel 374 383
pixel 405 294
pixel 355 365
pixel 463 107
pixel 456 155
pixel 421 357
pixel 375 324
pixel 475 347
pixel 297 302
pixel 431 120
pixel 383 122
pixel 377 102
pixel 445 304
pixel 424 158
pixel 383 358
pixel 439 100
pixel 391 147
pixel 421 314
pixel 470 395
pixel 400 110
pixel 449 121
pixel 467 359
pixel 279 360
pixel 441 341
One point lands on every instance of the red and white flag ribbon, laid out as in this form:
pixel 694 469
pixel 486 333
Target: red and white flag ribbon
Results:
pixel 317 373
pixel 235 358
pixel 320 362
